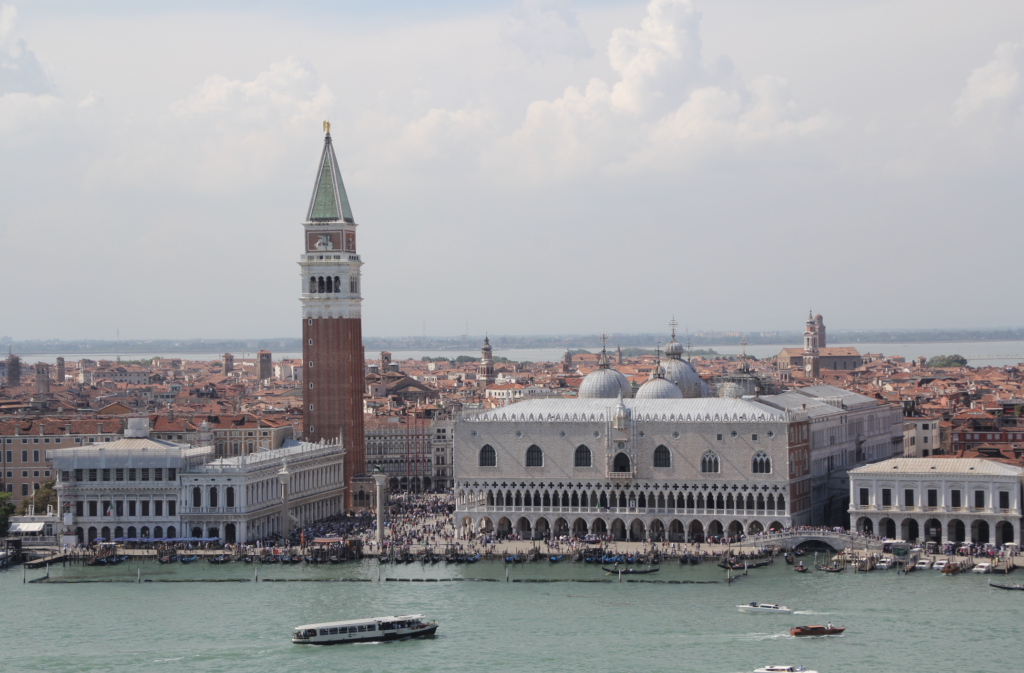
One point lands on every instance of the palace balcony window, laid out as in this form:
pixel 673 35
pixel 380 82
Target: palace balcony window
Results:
pixel 534 456
pixel 761 463
pixel 582 457
pixel 487 456
pixel 709 462
pixel 662 457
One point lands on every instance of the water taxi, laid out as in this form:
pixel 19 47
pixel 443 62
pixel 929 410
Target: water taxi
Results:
pixel 816 630
pixel 783 669
pixel 982 568
pixel 923 564
pixel 940 564
pixel 364 630
pixel 765 607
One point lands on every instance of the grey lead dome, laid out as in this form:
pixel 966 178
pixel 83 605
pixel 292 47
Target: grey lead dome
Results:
pixel 606 384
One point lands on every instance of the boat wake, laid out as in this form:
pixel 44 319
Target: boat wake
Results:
pixel 764 636
pixel 809 612
pixel 160 661
pixel 375 642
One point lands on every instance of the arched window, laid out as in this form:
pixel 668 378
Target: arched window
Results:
pixel 487 456
pixel 761 463
pixel 337 284
pixel 582 458
pixel 709 462
pixel 330 284
pixel 158 532
pixel 312 284
pixel 172 532
pixel 197 497
pixel 621 463
pixel 320 284
pixel 662 458
pixel 229 497
pixel 534 456
pixel 213 496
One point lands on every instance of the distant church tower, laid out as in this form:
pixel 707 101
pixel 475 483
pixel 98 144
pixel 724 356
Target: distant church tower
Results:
pixel 332 333
pixel 567 362
pixel 810 355
pixel 819 329
pixel 485 371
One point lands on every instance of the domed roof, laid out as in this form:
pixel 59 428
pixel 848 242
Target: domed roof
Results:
pixel 605 384
pixel 659 389
pixel 674 348
pixel 683 374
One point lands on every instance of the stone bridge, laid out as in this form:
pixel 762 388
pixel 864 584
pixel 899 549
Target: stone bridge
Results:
pixel 836 540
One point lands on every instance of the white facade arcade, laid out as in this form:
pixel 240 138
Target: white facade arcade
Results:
pixel 675 469
pixel 938 500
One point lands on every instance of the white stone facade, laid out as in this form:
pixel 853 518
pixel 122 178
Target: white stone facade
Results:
pixel 938 499
pixel 674 469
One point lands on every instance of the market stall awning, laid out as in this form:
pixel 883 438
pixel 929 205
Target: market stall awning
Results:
pixel 26 527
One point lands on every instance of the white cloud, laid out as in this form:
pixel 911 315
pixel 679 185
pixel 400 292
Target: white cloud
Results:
pixel 20 70
pixel 666 104
pixel 995 86
pixel 546 28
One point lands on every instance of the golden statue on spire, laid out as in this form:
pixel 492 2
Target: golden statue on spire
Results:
pixel 327 126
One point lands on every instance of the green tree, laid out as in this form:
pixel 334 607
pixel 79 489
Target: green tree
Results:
pixel 44 495
pixel 948 361
pixel 6 509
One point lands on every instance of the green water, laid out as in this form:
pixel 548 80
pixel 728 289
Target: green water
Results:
pixel 920 622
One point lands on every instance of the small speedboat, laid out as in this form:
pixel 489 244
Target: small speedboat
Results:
pixel 923 564
pixel 982 568
pixel 783 669
pixel 817 630
pixel 766 608
pixel 939 565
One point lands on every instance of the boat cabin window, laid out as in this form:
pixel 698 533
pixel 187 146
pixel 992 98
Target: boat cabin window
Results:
pixel 371 627
pixel 334 631
pixel 362 627
pixel 324 632
pixel 352 629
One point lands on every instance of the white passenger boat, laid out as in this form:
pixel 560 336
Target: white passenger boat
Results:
pixel 982 568
pixel 940 564
pixel 783 669
pixel 884 564
pixel 765 607
pixel 923 564
pixel 364 630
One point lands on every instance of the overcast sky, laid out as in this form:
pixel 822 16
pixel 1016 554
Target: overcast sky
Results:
pixel 529 167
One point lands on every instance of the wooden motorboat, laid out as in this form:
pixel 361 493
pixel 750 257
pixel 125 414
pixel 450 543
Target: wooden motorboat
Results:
pixel 630 571
pixel 951 569
pixel 817 630
pixel 1011 587
pixel 364 630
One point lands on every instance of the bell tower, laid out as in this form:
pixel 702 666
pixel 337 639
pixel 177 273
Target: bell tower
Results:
pixel 810 355
pixel 332 334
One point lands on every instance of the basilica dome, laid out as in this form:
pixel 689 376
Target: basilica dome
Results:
pixel 658 388
pixel 605 383
pixel 683 374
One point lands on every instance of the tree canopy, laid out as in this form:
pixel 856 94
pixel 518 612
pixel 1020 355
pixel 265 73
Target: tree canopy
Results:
pixel 948 361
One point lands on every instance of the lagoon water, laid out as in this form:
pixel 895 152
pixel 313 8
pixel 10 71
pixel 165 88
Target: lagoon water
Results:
pixel 918 622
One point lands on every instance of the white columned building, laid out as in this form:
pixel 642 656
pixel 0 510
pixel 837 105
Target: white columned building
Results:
pixel 938 499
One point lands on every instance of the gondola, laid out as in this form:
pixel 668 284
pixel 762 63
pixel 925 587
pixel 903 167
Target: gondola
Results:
pixel 800 568
pixel 555 559
pixel 513 559
pixel 789 560
pixel 296 559
pixel 247 559
pixel 336 560
pixel 169 559
pixel 272 559
pixel 631 571
pixel 631 558
pixel 217 560
pixel 188 559
pixel 1010 587
pixel 473 559
pixel 829 569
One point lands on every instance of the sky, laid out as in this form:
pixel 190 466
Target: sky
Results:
pixel 525 167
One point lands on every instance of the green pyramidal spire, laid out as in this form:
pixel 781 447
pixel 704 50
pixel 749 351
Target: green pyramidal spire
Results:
pixel 329 202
